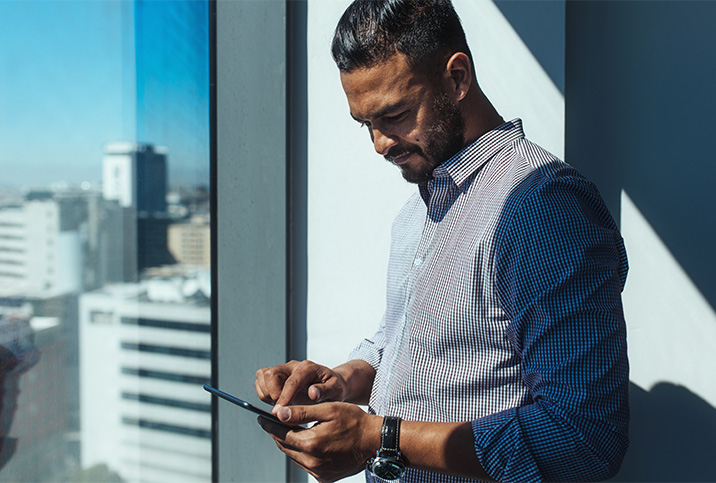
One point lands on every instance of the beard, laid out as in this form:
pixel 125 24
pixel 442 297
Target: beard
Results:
pixel 444 137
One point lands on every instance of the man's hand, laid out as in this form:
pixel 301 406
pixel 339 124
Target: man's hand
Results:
pixel 309 383
pixel 300 383
pixel 338 445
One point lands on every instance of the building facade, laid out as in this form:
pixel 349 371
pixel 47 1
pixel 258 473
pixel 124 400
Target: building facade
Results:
pixel 190 241
pixel 40 253
pixel 144 356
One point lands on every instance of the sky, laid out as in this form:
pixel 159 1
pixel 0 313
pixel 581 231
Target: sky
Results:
pixel 64 70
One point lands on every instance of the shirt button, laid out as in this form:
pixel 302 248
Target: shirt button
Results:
pixel 417 262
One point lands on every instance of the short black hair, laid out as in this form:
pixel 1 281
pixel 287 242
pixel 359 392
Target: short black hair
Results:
pixel 371 31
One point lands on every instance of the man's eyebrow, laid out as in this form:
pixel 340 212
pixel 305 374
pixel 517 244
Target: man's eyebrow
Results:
pixel 390 108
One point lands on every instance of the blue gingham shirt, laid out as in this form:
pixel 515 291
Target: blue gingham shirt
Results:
pixel 504 309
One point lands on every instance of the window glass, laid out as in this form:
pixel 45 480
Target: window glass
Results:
pixel 104 241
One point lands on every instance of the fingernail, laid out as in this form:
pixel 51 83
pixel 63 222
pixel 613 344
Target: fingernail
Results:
pixel 284 414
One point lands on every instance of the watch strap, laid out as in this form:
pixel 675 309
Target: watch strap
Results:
pixel 390 435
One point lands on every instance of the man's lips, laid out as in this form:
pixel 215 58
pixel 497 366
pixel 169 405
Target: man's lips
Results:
pixel 399 159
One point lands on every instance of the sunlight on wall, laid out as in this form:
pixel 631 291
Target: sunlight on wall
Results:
pixel 511 77
pixel 670 325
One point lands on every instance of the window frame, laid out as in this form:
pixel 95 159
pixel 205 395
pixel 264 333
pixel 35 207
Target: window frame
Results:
pixel 259 178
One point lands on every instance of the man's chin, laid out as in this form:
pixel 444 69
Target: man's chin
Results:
pixel 416 176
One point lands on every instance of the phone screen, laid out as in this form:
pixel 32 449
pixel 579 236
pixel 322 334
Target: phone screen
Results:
pixel 245 405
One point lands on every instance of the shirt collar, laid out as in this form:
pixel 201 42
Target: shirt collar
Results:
pixel 461 166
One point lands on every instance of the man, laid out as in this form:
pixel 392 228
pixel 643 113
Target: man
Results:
pixel 502 353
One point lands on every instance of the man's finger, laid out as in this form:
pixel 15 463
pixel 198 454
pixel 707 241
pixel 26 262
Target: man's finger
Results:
pixel 277 431
pixel 327 391
pixel 261 388
pixel 293 438
pixel 304 374
pixel 260 392
pixel 297 415
pixel 273 379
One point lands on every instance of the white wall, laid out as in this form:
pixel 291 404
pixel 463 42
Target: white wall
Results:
pixel 670 323
pixel 353 195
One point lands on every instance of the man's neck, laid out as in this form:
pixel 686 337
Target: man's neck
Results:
pixel 480 116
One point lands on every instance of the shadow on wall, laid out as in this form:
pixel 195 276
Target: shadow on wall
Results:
pixel 673 436
pixel 639 117
pixel 639 100
pixel 540 25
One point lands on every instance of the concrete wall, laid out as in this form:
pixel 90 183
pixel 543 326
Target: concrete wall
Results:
pixel 250 263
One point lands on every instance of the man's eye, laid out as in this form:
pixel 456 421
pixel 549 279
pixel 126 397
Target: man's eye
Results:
pixel 397 117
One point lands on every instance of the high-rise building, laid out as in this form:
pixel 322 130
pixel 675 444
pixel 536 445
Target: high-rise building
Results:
pixel 56 244
pixel 145 353
pixel 40 249
pixel 136 176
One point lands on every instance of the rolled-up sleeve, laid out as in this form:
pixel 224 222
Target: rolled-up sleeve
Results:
pixel 370 350
pixel 560 270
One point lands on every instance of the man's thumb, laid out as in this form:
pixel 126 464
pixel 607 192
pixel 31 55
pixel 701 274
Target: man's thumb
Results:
pixel 317 392
pixel 284 413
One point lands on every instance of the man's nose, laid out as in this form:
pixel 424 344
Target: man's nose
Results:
pixel 382 142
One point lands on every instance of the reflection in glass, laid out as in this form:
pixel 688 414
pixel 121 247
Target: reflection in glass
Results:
pixel 18 354
pixel 104 241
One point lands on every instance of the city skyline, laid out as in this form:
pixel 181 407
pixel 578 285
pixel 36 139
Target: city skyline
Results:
pixel 105 246
pixel 69 85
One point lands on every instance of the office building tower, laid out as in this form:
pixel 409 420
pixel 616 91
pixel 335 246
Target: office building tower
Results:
pixel 144 356
pixel 135 176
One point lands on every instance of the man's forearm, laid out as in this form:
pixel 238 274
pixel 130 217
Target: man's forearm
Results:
pixel 442 448
pixel 358 376
pixel 439 447
pixel 347 437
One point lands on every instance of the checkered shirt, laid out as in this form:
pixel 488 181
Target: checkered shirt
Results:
pixel 504 309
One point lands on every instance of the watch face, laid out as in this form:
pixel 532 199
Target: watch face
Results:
pixel 387 468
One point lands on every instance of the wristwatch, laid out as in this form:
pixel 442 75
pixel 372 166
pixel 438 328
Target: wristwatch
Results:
pixel 388 462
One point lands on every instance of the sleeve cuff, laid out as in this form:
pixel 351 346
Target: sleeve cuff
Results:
pixel 500 448
pixel 368 351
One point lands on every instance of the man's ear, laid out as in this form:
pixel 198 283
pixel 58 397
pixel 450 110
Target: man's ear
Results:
pixel 458 75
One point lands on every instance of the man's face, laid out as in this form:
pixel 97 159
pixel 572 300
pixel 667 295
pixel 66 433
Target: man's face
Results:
pixel 412 123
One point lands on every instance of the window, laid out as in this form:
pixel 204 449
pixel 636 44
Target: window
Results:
pixel 108 332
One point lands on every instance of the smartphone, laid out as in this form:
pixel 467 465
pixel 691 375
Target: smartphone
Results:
pixel 245 405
